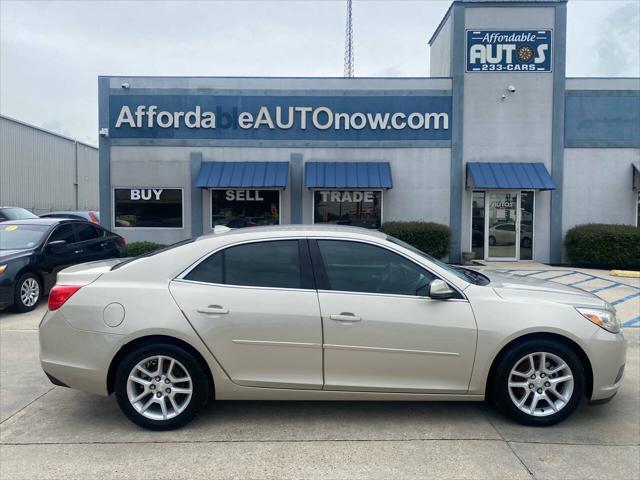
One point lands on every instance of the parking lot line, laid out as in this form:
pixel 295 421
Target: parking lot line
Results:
pixel 624 299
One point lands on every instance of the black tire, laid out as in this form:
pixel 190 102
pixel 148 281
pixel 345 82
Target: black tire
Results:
pixel 492 240
pixel 500 390
pixel 200 385
pixel 18 304
pixel 525 243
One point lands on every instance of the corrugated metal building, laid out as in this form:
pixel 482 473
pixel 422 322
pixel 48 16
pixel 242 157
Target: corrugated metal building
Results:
pixel 43 171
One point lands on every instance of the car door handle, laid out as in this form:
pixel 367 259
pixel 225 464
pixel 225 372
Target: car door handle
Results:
pixel 213 310
pixel 346 317
pixel 78 251
pixel 104 244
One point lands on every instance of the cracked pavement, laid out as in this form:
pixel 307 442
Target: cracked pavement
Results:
pixel 54 432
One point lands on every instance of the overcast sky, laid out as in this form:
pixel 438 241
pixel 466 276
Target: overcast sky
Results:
pixel 51 52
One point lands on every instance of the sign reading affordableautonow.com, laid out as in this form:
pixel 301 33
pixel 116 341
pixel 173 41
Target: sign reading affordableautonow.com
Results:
pixel 271 117
pixel 508 50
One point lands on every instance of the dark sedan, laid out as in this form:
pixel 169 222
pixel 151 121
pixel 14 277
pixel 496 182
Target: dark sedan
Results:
pixel 33 251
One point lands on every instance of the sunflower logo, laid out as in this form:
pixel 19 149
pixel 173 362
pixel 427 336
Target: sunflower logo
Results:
pixel 525 53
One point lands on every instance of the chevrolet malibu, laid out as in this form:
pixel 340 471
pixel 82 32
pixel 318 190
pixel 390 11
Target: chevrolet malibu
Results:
pixel 323 313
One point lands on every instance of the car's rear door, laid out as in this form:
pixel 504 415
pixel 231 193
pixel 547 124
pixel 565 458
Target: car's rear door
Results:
pixel 255 306
pixel 91 242
pixel 381 331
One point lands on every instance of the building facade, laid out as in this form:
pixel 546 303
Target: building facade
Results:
pixel 497 143
pixel 43 171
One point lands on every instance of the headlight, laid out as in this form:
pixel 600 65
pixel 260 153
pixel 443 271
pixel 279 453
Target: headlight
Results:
pixel 603 318
pixel 3 268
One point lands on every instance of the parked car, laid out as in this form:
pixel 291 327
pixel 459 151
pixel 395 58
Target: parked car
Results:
pixel 15 213
pixel 90 215
pixel 323 313
pixel 33 251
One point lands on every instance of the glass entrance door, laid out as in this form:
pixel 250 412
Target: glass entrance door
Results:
pixel 502 227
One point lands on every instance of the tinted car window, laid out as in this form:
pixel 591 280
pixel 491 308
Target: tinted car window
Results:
pixel 209 270
pixel 360 267
pixel 262 264
pixel 63 232
pixel 86 231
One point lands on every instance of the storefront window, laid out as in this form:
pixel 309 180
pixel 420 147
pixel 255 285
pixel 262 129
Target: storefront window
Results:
pixel 147 207
pixel 526 225
pixel 359 208
pixel 477 224
pixel 245 208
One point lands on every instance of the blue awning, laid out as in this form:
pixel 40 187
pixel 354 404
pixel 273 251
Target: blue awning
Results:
pixel 347 175
pixel 509 176
pixel 243 175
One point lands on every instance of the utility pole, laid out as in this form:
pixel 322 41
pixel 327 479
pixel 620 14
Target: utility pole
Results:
pixel 348 44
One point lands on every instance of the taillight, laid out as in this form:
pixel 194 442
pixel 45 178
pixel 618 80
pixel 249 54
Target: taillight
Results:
pixel 59 294
pixel 121 242
pixel 93 218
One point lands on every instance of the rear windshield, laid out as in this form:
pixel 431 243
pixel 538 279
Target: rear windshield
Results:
pixel 151 254
pixel 21 237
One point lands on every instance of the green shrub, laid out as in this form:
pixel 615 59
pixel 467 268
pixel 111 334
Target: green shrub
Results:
pixel 432 238
pixel 138 248
pixel 604 246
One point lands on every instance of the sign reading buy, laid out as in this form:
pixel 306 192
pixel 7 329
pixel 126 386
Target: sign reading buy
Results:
pixel 509 50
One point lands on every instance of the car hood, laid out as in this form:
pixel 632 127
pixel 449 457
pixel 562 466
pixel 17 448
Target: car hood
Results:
pixel 6 255
pixel 517 287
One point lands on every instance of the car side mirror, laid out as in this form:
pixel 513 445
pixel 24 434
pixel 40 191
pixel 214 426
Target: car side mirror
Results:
pixel 440 290
pixel 57 246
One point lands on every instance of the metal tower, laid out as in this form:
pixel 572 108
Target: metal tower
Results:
pixel 348 44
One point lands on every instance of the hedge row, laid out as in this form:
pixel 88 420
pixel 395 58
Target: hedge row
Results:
pixel 138 248
pixel 604 246
pixel 431 238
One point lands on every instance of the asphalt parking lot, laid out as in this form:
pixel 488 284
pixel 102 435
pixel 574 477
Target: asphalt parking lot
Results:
pixel 54 432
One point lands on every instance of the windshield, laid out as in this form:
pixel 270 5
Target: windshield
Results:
pixel 464 273
pixel 17 213
pixel 21 237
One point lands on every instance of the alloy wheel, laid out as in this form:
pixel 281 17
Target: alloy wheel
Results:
pixel 159 387
pixel 29 292
pixel 540 384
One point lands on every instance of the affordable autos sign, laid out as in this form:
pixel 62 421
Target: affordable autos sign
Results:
pixel 509 50
pixel 269 117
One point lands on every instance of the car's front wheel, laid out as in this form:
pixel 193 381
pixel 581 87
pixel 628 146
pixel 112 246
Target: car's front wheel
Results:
pixel 161 387
pixel 27 293
pixel 539 382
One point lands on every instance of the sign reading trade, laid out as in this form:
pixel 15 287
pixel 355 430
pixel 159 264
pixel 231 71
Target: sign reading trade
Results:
pixel 508 50
pixel 269 117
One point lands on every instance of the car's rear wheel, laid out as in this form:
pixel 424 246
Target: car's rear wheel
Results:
pixel 27 293
pixel 539 382
pixel 161 387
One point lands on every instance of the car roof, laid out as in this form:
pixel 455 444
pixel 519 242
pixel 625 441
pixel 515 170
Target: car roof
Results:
pixel 68 212
pixel 299 230
pixel 39 221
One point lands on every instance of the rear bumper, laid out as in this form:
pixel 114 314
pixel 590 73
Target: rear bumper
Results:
pixel 75 358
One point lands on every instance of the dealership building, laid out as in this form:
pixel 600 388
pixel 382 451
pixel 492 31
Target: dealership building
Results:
pixel 497 143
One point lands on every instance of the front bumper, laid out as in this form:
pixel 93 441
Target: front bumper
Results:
pixel 607 353
pixel 76 358
pixel 6 295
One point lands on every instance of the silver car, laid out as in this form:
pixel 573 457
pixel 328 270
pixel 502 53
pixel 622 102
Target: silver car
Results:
pixel 323 313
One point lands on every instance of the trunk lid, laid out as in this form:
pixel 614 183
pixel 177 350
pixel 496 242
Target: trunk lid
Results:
pixel 86 273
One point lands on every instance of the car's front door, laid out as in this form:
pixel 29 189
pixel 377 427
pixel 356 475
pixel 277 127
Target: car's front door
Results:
pixel 256 307
pixel 54 260
pixel 381 332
